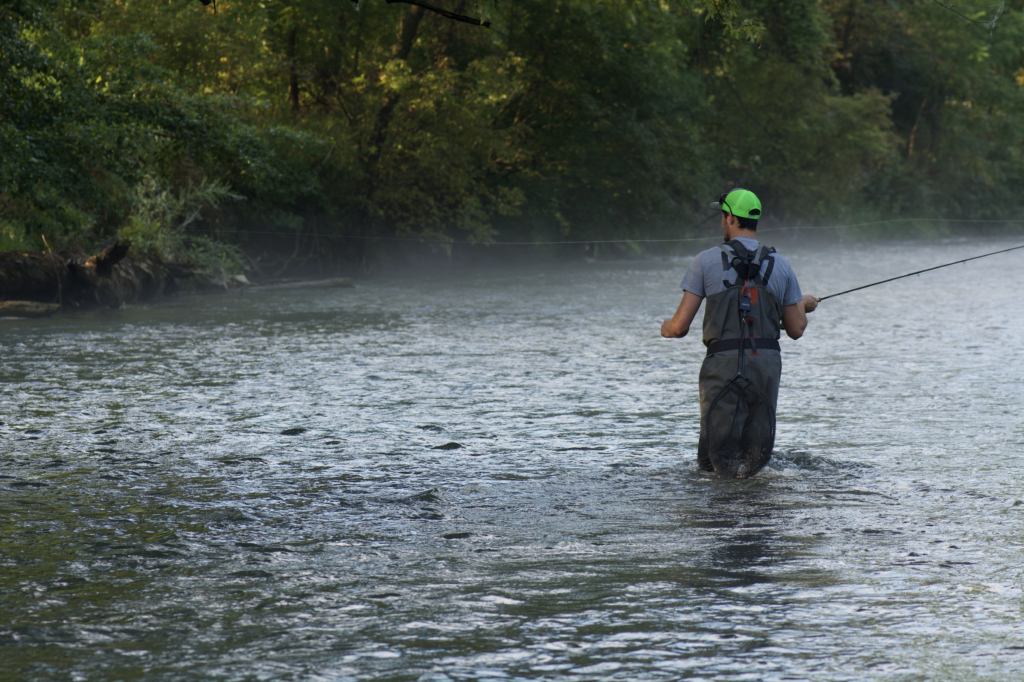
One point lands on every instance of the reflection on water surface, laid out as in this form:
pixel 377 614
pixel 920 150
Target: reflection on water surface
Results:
pixel 267 486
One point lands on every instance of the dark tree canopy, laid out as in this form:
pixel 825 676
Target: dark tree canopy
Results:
pixel 329 122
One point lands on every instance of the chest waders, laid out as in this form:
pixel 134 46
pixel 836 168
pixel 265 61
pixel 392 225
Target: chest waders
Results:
pixel 738 426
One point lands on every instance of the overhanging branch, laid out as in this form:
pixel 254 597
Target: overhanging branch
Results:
pixel 443 12
pixel 952 8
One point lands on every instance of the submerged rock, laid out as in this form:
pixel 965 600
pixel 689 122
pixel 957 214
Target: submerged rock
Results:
pixel 27 309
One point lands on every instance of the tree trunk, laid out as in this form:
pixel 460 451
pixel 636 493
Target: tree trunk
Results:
pixel 293 76
pixel 449 35
pixel 407 35
pixel 406 38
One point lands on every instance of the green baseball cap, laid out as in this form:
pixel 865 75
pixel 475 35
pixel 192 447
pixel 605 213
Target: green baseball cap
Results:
pixel 742 203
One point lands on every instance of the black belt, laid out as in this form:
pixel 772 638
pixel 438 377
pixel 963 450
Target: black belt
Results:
pixel 734 344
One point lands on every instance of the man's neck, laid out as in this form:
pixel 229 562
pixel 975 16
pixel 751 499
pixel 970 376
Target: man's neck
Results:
pixel 733 234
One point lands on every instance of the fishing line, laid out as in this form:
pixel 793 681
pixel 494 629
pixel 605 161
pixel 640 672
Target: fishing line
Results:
pixel 613 241
pixel 909 274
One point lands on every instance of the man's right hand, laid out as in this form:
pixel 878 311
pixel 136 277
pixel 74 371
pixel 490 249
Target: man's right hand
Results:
pixel 668 332
pixel 810 303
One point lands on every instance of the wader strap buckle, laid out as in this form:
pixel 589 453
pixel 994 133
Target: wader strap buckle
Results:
pixel 750 335
pixel 748 296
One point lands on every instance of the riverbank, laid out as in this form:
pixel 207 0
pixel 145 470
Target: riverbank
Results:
pixel 73 278
pixel 41 283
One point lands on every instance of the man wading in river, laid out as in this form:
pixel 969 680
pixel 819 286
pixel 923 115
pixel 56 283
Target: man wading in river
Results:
pixel 748 308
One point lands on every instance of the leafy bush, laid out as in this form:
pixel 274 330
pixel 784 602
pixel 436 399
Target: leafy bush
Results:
pixel 161 223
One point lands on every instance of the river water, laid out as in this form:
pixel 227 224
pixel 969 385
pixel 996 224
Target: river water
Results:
pixel 256 487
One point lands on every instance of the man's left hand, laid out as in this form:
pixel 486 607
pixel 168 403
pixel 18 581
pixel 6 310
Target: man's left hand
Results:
pixel 679 325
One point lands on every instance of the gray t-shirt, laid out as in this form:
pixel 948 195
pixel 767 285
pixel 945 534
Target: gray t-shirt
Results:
pixel 704 276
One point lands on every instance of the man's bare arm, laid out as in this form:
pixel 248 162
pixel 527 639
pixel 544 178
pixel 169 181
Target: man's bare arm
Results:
pixel 679 325
pixel 794 316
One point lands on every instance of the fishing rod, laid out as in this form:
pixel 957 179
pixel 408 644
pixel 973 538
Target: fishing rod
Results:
pixel 909 274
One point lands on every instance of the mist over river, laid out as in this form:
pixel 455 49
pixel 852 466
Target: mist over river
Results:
pixel 490 474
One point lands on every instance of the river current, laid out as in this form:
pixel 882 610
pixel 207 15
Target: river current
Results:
pixel 490 474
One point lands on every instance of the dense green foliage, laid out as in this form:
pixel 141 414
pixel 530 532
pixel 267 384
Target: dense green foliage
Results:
pixel 332 127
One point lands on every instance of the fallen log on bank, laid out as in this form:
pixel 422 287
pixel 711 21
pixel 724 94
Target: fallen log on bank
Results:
pixel 332 283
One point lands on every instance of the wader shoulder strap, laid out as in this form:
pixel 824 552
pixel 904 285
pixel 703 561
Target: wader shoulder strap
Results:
pixel 766 254
pixel 726 263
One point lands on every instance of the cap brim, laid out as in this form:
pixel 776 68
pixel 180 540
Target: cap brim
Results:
pixel 715 206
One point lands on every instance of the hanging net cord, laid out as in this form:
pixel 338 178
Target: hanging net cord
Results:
pixel 740 424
